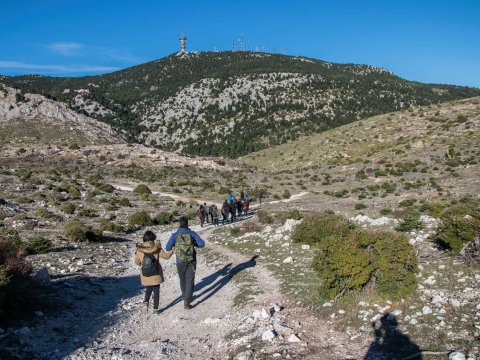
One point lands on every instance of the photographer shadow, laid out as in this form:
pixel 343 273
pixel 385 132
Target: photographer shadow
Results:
pixel 390 342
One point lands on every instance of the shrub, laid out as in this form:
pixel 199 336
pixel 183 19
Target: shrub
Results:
pixel 87 212
pixel 163 218
pixel 407 202
pixel 75 231
pixel 235 231
pixel 105 188
pixel 286 194
pixel 385 211
pixel 68 208
pixel 73 192
pixel 107 225
pixel 124 202
pixel 409 223
pixel 74 146
pixel 15 285
pixel 360 175
pixel 351 259
pixel 140 218
pixel 38 245
pixel 331 225
pixel 294 214
pixel 360 206
pixel 142 189
pixel 264 218
pixel 460 224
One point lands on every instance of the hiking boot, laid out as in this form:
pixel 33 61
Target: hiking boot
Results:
pixel 145 308
pixel 156 312
pixel 187 306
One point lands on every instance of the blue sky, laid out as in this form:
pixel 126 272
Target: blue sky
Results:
pixel 423 40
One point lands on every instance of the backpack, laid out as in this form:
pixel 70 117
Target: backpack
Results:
pixel 149 265
pixel 184 248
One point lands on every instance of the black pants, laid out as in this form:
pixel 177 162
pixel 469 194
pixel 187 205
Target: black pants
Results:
pixel 186 273
pixel 156 295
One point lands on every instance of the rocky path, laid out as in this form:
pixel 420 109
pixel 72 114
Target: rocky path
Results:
pixel 101 316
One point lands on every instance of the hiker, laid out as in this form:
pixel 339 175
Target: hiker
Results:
pixel 185 242
pixel 215 215
pixel 260 197
pixel 205 209
pixel 201 215
pixel 148 255
pixel 230 196
pixel 225 211
pixel 242 195
pixel 239 208
pixel 245 205
pixel 231 209
pixel 210 211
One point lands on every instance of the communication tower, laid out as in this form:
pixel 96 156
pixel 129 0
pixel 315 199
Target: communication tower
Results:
pixel 183 43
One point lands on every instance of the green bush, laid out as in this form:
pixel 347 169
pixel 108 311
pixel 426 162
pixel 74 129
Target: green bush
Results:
pixel 73 192
pixel 140 218
pixel 331 225
pixel 68 208
pixel 124 202
pixel 460 223
pixel 163 218
pixel 294 214
pixel 75 231
pixel 286 194
pixel 385 211
pixel 409 223
pixel 142 189
pixel 38 245
pixel 235 232
pixel 360 175
pixel 107 225
pixel 360 206
pixel 87 212
pixel 407 202
pixel 351 259
pixel 105 188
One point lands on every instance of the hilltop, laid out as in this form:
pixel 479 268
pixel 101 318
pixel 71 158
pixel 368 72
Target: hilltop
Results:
pixel 234 103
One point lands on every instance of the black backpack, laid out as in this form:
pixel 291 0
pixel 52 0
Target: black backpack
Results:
pixel 149 265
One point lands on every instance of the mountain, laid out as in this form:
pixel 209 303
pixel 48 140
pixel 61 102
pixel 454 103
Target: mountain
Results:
pixel 234 103
pixel 32 118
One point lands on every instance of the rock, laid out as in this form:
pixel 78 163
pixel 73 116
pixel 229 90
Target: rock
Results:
pixel 294 339
pixel 42 277
pixel 437 299
pixel 456 355
pixel 285 245
pixel 454 302
pixel 39 313
pixel 244 355
pixel 265 314
pixel 305 247
pixel 268 335
pixel 341 312
pixel 430 280
pixel 80 262
pixel 327 304
pixel 393 314
pixel 209 321
pixel 24 331
pixel 126 307
pixel 288 260
pixel 426 310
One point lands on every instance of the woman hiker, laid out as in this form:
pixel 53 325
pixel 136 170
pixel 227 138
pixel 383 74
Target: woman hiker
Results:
pixel 148 255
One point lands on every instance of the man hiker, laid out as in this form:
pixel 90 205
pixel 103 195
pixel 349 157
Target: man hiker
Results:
pixel 225 211
pixel 185 241
pixel 148 255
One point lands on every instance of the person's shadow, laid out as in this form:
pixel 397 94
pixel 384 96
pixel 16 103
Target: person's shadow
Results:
pixel 390 342
pixel 214 282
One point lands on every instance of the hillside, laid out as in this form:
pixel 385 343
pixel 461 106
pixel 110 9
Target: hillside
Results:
pixel 235 103
pixel 34 119
pixel 431 134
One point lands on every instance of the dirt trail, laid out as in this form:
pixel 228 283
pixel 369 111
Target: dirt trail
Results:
pixel 105 319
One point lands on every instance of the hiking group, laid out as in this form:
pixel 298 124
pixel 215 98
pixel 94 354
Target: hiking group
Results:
pixel 183 243
pixel 232 209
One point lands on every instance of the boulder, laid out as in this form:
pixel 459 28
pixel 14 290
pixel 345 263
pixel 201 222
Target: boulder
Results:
pixel 268 335
pixel 244 355
pixel 288 260
pixel 294 339
pixel 42 277
pixel 456 355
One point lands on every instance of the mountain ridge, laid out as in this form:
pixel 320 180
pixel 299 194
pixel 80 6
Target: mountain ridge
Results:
pixel 234 103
